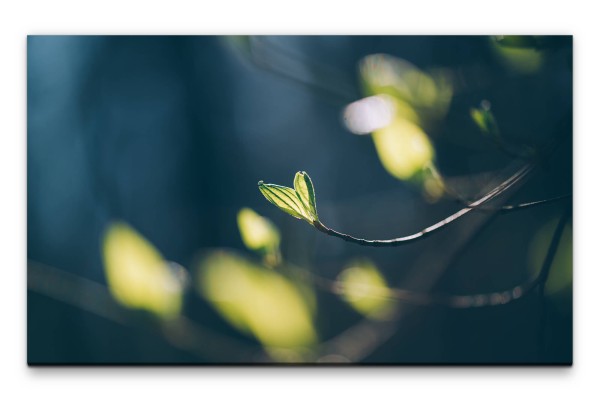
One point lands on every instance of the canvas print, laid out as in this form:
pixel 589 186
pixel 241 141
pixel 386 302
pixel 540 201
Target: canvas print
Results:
pixel 299 200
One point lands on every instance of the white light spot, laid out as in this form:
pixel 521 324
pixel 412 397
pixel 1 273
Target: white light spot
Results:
pixel 369 114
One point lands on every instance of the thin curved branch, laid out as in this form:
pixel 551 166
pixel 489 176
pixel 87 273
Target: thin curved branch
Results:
pixel 515 178
pixel 519 206
pixel 545 272
pixel 460 301
pixel 494 298
pixel 502 209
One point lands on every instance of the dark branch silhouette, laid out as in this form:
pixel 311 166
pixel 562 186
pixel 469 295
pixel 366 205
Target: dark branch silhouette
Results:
pixel 461 301
pixel 500 189
pixel 519 206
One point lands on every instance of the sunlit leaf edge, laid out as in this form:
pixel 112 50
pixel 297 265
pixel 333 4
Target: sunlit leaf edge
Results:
pixel 306 192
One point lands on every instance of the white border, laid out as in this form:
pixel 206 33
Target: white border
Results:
pixel 17 19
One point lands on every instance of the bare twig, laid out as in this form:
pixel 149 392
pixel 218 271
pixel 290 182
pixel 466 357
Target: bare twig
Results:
pixel 452 301
pixel 428 270
pixel 542 277
pixel 515 178
pixel 519 206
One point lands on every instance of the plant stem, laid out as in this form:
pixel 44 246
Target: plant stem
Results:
pixel 500 189
pixel 519 206
pixel 542 277
pixel 465 301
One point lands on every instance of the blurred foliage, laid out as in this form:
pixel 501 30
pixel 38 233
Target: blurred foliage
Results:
pixel 561 271
pixel 484 118
pixel 257 301
pixel 137 275
pixel 519 53
pixel 365 289
pixel 403 101
pixel 403 148
pixel 259 234
pixel 518 41
pixel 428 93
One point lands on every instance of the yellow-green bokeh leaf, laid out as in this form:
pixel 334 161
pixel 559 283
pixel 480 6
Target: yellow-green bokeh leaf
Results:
pixel 561 271
pixel 403 101
pixel 520 41
pixel 403 148
pixel 257 232
pixel 478 117
pixel 521 59
pixel 257 301
pixel 306 192
pixel 484 119
pixel 138 277
pixel 385 74
pixel 365 289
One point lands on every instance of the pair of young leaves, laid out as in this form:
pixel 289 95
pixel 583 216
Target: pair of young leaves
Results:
pixel 299 202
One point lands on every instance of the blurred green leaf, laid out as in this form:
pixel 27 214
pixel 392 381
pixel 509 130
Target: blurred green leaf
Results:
pixel 404 100
pixel 519 53
pixel 365 289
pixel 257 301
pixel 519 41
pixel 429 94
pixel 298 202
pixel 138 276
pixel 259 234
pixel 541 43
pixel 485 120
pixel 403 148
